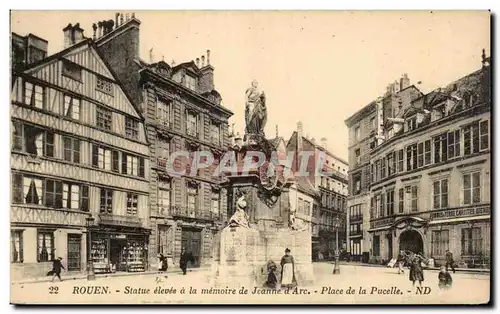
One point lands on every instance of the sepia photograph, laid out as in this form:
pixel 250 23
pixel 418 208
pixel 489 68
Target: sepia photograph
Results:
pixel 250 157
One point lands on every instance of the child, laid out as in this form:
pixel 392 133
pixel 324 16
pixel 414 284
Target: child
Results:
pixel 444 278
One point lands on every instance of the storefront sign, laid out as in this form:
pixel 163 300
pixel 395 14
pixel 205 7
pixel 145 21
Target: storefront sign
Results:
pixel 117 236
pixel 117 220
pixel 381 223
pixel 461 212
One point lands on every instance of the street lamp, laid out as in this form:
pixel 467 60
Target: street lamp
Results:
pixel 336 269
pixel 90 261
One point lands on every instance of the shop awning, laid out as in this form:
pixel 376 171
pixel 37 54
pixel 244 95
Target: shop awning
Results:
pixel 451 220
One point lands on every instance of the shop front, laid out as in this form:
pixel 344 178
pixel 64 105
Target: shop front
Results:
pixel 119 250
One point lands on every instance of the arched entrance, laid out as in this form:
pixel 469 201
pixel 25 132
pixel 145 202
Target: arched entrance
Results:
pixel 411 240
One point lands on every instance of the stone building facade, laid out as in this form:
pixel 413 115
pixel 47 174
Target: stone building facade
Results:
pixel 184 115
pixel 79 160
pixel 429 188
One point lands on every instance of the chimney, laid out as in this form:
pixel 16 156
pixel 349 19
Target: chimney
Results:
pixel 207 75
pixel 27 49
pixel 300 132
pixel 121 19
pixel 277 133
pixel 94 29
pixel 198 62
pixel 72 35
pixel 173 63
pixel 404 82
pixel 323 143
pixel 313 140
pixel 151 56
pixel 117 15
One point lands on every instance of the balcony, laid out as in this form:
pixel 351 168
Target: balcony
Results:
pixel 355 233
pixel 356 218
pixel 184 212
pixel 120 220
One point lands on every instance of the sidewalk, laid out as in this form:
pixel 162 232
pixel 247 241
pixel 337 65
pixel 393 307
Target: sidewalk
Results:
pixel 459 270
pixel 78 276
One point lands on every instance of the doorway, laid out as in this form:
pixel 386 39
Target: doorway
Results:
pixel 411 240
pixel 191 241
pixel 74 252
pixel 118 254
pixel 389 246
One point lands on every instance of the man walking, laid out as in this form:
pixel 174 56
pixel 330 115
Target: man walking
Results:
pixel 56 268
pixel 450 261
pixel 185 258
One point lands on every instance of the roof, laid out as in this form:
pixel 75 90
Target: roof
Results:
pixel 305 185
pixel 360 113
pixel 321 148
pixel 275 141
pixel 90 43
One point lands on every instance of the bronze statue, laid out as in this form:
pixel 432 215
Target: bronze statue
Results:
pixel 255 111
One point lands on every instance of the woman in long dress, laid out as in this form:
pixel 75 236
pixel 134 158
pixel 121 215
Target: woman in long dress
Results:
pixel 288 270
pixel 416 270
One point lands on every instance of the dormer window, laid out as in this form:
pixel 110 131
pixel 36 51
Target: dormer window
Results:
pixel 190 82
pixel 412 124
pixel 439 112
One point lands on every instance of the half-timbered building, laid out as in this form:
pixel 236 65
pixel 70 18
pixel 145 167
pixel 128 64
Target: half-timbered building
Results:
pixel 79 162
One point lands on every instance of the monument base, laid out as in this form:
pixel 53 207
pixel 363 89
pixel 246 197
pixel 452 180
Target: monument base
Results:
pixel 245 252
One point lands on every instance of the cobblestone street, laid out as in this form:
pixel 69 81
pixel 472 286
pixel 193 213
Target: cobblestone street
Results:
pixel 382 285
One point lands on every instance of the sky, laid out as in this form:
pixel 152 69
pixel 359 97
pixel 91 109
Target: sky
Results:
pixel 318 67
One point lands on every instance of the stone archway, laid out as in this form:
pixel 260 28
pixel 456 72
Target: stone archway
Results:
pixel 411 240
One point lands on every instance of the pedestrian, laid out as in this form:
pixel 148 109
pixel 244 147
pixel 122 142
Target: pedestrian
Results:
pixel 449 261
pixel 162 263
pixel 57 266
pixel 271 281
pixel 288 270
pixel 444 278
pixel 185 258
pixel 401 262
pixel 416 270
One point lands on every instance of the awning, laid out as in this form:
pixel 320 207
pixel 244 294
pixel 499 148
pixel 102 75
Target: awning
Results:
pixel 451 220
pixel 379 229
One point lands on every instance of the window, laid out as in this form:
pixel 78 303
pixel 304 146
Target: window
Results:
pixel 106 206
pixel 357 152
pixel 17 136
pixel 440 242
pixel 373 124
pixel 471 139
pixel 411 157
pixel 376 245
pixel 192 199
pixel 131 128
pixel 84 200
pixel 132 165
pixel 440 146
pixel 53 193
pixel 45 246
pixel 356 247
pixel 73 196
pixel 132 204
pixel 420 155
pixel 454 144
pixel 372 174
pixel 300 208
pixel 378 206
pixel 390 203
pixel 16 246
pixel 401 201
pixel 483 135
pixel 412 124
pixel 163 151
pixel 215 133
pixel 472 241
pixel 103 118
pixel 72 70
pixel 101 157
pixel 377 170
pixel 164 198
pixel 472 188
pixel 190 82
pixel 391 163
pixel 115 161
pixel 71 149
pixel 32 190
pixel 192 124
pixel 440 188
pixel 427 152
pixel 357 183
pixel 104 85
pixel 215 204
pixel 357 133
pixel 382 168
pixel 34 95
pixel 71 107
pixel 36 141
pixel 401 158
pixel 163 112
pixel 412 198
